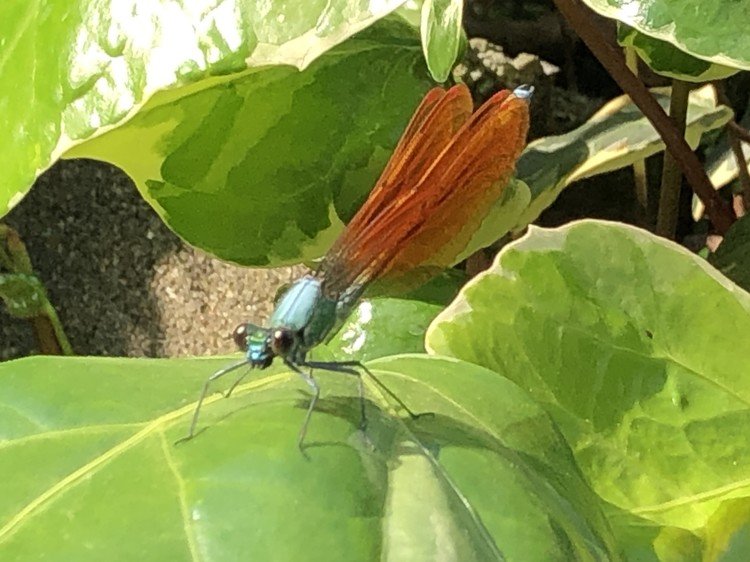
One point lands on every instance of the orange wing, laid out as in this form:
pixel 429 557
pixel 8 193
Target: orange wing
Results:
pixel 434 123
pixel 433 208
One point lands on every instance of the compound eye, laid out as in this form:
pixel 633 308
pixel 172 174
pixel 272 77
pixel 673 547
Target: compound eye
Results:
pixel 239 335
pixel 281 342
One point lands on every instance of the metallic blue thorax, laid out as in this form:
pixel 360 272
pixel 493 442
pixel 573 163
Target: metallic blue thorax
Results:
pixel 297 306
pixel 305 312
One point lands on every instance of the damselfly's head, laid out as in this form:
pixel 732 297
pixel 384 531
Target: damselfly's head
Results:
pixel 256 343
pixel 261 344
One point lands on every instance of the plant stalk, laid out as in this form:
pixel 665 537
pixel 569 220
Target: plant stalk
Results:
pixel 671 175
pixel 48 331
pixel 60 339
pixel 44 334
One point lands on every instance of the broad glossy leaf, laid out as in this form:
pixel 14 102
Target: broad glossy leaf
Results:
pixel 636 347
pixel 72 70
pixel 90 469
pixel 615 137
pixel 666 59
pixel 263 170
pixel 714 31
pixel 441 35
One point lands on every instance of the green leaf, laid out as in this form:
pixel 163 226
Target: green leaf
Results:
pixel 86 445
pixel 441 289
pixel 615 137
pixel 265 169
pixel 504 215
pixel 666 59
pixel 383 326
pixel 24 295
pixel 635 347
pixel 73 70
pixel 441 35
pixel 732 257
pixel 729 532
pixel 714 31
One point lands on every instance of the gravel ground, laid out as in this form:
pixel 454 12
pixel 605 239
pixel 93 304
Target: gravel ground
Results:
pixel 122 282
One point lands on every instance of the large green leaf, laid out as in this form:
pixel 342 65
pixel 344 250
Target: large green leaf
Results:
pixel 263 170
pixel 636 347
pixel 715 31
pixel 615 137
pixel 89 469
pixel 75 69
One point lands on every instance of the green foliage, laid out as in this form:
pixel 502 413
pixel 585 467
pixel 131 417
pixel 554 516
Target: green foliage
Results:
pixel 381 327
pixel 96 65
pixel 713 31
pixel 24 295
pixel 586 322
pixel 666 59
pixel 263 167
pixel 265 170
pixel 590 386
pixel 615 137
pixel 635 347
pixel 442 35
pixel 257 162
pixel 487 471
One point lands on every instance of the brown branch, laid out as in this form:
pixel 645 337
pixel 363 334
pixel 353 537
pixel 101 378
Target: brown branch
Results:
pixel 579 17
pixel 740 131
pixel 640 179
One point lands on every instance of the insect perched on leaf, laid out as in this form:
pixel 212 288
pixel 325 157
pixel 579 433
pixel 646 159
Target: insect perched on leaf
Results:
pixel 448 169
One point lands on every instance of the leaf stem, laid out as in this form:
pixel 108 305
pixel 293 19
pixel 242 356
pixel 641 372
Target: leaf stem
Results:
pixel 5 260
pixel 62 344
pixel 671 175
pixel 45 337
pixel 48 331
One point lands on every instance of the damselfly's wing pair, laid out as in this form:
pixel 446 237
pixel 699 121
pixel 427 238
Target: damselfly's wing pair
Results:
pixel 448 169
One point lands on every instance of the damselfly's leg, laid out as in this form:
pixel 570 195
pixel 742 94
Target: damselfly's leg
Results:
pixel 218 374
pixel 313 384
pixel 236 383
pixel 350 368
